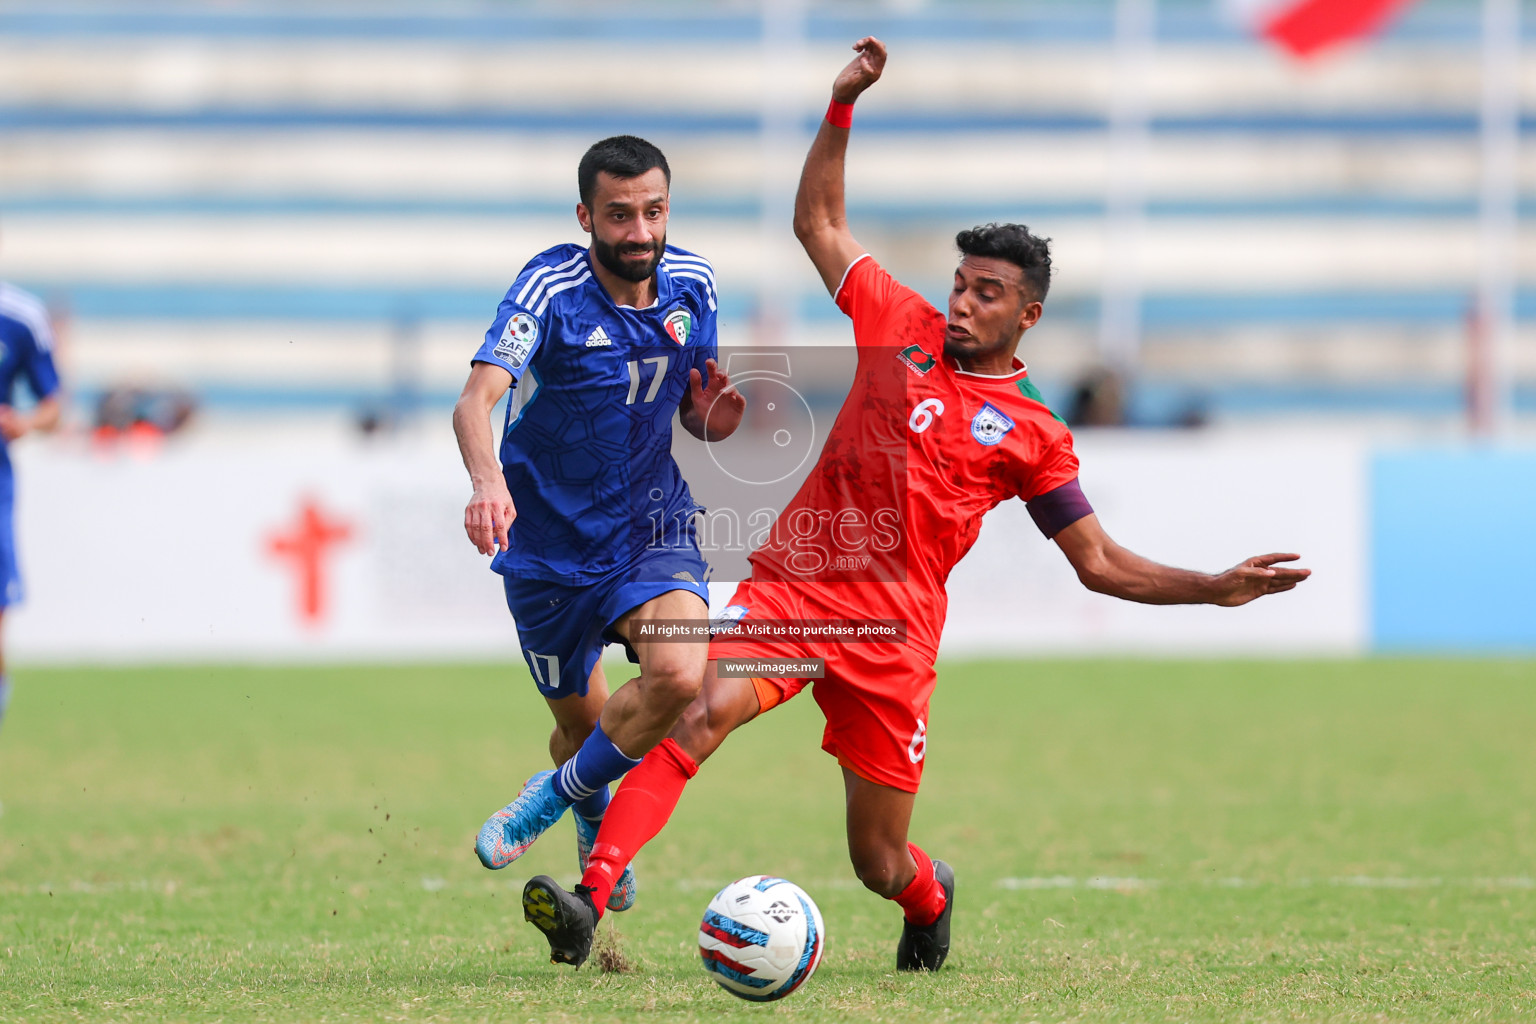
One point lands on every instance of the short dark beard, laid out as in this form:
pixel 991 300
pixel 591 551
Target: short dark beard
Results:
pixel 608 256
pixel 980 349
pixel 976 351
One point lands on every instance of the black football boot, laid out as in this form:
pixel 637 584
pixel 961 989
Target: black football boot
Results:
pixel 924 948
pixel 567 919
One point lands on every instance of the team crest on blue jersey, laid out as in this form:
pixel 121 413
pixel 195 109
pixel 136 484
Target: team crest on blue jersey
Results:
pixel 679 324
pixel 990 425
pixel 517 339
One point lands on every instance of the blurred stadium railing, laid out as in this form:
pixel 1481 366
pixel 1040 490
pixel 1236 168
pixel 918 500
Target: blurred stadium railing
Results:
pixel 284 206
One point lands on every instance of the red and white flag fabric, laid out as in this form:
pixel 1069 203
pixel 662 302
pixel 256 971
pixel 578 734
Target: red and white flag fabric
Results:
pixel 1304 27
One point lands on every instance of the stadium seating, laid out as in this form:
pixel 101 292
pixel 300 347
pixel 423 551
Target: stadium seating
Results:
pixel 279 207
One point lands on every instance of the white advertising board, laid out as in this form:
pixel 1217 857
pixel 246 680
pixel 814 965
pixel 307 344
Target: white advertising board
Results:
pixel 1198 501
pixel 286 550
pixel 282 550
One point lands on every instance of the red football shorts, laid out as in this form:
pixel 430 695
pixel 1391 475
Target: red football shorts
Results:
pixel 874 696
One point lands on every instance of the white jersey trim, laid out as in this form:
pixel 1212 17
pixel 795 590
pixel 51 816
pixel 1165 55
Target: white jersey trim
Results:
pixel 994 376
pixel 523 393
pixel 709 286
pixel 551 292
pixel 678 257
pixel 695 268
pixel 844 280
pixel 29 310
pixel 541 278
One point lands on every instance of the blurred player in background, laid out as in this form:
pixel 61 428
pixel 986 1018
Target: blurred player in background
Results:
pixel 26 352
pixel 942 424
pixel 601 345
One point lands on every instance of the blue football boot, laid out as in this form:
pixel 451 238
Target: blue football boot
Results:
pixel 509 832
pixel 626 888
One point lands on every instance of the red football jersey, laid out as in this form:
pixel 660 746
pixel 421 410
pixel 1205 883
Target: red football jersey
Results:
pixel 919 452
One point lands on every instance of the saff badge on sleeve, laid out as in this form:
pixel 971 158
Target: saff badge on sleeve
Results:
pixel 517 339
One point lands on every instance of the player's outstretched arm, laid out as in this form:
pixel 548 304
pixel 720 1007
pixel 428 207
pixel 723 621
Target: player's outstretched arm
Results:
pixel 711 409
pixel 490 511
pixel 1107 568
pixel 821 219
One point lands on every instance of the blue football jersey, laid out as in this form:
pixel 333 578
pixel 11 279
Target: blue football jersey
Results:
pixel 587 447
pixel 26 350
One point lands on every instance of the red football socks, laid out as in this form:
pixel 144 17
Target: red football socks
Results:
pixel 638 811
pixel 923 898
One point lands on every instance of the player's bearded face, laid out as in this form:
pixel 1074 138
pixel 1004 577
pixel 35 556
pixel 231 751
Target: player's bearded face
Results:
pixel 985 308
pixel 628 221
pixel 981 344
pixel 624 258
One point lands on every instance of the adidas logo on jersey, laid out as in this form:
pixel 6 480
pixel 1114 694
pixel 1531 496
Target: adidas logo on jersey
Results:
pixel 598 338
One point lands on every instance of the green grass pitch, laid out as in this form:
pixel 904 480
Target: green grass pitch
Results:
pixel 1134 841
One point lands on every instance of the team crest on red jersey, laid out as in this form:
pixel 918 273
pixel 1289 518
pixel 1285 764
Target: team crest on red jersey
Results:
pixel 990 425
pixel 679 325
pixel 920 362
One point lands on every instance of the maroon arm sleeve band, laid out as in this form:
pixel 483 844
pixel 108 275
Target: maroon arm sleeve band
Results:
pixel 1058 509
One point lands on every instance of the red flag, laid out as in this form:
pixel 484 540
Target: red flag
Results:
pixel 1304 27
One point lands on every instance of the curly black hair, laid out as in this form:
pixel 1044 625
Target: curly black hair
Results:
pixel 1014 243
pixel 623 156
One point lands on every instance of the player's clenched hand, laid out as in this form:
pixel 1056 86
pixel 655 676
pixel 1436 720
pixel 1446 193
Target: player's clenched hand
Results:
pixel 720 404
pixel 1256 577
pixel 487 517
pixel 862 72
pixel 12 423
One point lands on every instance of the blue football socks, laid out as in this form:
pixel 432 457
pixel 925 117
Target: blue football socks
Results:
pixel 596 764
pixel 593 807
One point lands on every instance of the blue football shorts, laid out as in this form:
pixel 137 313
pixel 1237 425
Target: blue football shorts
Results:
pixel 563 629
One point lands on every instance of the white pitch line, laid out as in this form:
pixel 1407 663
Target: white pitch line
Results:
pixel 1343 881
pixel 1052 882
pixel 1068 882
pixel 1102 883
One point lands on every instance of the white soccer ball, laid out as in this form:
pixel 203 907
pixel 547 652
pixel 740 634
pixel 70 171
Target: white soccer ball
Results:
pixel 761 938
